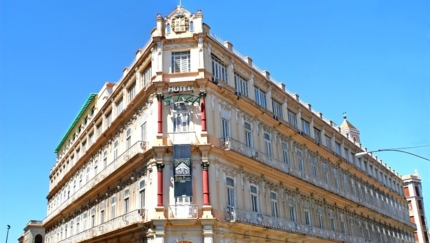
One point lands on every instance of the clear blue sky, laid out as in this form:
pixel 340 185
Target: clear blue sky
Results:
pixel 368 58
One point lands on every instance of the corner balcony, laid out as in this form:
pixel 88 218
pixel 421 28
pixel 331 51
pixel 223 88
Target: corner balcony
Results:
pixel 138 147
pixel 182 138
pixel 116 224
pixel 276 223
pixel 183 214
pixel 229 143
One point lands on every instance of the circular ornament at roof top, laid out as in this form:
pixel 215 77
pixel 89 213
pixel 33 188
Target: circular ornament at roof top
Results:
pixel 180 23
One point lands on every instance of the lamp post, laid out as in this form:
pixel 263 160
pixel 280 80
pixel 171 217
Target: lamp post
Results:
pixel 7 234
pixel 361 154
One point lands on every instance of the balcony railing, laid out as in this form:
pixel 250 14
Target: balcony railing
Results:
pixel 182 138
pixel 250 217
pixel 115 224
pixel 234 145
pixel 138 147
pixel 183 212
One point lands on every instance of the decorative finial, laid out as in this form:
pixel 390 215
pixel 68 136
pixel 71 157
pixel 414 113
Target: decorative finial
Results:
pixel 344 115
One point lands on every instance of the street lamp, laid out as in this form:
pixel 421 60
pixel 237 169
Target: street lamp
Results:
pixel 361 154
pixel 7 234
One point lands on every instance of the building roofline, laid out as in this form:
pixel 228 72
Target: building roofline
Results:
pixel 80 113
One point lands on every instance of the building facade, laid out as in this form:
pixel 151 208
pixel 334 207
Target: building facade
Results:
pixel 413 193
pixel 195 143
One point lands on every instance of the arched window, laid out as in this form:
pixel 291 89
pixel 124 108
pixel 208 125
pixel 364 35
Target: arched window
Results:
pixel 38 239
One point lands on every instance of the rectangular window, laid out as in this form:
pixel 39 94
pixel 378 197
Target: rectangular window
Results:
pixel 328 142
pixel 90 139
pixel 113 207
pixel 219 69
pixel 260 97
pixel 268 144
pixel 254 199
pixel 314 167
pixel 274 204
pixel 300 162
pixel 325 173
pixel 181 118
pixel 128 139
pixel 225 128
pixel 99 129
pixel 87 178
pixel 240 84
pixel 115 149
pixel 126 201
pixel 181 62
pixel 338 151
pixel 292 118
pixel 306 127
pixel 248 134
pixel 108 119
pixel 84 222
pixel 345 183
pixel 307 217
pixel 143 132
pixel 285 153
pixel 346 154
pixel 320 220
pixel 146 76
pixel 277 109
pixel 231 194
pixel 102 216
pixel 292 210
pixel 142 194
pixel 371 170
pixel 119 106
pixel 131 92
pixel 104 159
pixel 336 178
pixel 317 134
pixel 333 224
pixel 96 163
pixel 93 217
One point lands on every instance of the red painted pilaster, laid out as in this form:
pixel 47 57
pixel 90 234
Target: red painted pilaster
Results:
pixel 160 113
pixel 205 175
pixel 203 110
pixel 160 184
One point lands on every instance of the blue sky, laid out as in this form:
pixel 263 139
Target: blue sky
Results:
pixel 368 58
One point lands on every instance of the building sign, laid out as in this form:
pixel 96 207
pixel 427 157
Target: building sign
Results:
pixel 182 170
pixel 177 89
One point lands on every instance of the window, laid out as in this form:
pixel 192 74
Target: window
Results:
pixel 328 142
pixel 128 139
pixel 292 118
pixel 119 106
pixel 112 207
pixel 268 144
pixel 143 132
pixel 342 224
pixel 126 201
pixel 115 149
pixel 292 210
pixel 104 159
pixel 260 97
pixel 96 162
pixel 248 134
pixel 90 139
pixel 231 194
pixel 142 194
pixel 371 170
pixel 240 84
pixel 219 69
pixel 317 134
pixel 300 163
pixel 102 212
pixel 332 221
pixel 181 62
pixel 336 178
pixel 307 217
pixel 285 153
pixel 314 167
pixel 87 177
pixel 80 180
pixel 338 151
pixel 108 119
pixel 99 129
pixel 306 127
pixel 181 118
pixel 131 92
pixel 346 154
pixel 274 204
pixel 320 219
pixel 146 76
pixel 93 217
pixel 277 109
pixel 225 128
pixel 254 198
pixel 345 183
pixel 325 173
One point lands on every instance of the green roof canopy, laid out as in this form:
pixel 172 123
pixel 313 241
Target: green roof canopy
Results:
pixel 78 117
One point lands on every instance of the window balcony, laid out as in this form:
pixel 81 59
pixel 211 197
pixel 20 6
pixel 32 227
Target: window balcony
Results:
pixel 267 221
pixel 138 147
pixel 291 168
pixel 182 138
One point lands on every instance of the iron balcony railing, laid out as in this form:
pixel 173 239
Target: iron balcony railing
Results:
pixel 138 147
pixel 289 168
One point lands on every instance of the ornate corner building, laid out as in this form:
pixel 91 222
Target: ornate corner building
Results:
pixel 413 192
pixel 195 143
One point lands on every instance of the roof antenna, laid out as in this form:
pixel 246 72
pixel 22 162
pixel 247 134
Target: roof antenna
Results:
pixel 180 3
pixel 344 115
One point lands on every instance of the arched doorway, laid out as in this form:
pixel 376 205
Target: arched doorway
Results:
pixel 38 239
